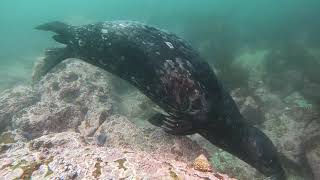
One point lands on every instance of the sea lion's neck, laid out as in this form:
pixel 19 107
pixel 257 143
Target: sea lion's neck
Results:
pixel 231 132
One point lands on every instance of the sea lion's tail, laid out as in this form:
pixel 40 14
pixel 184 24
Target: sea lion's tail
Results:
pixel 54 26
pixel 53 56
pixel 63 31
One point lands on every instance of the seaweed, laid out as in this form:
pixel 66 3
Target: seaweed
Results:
pixel 121 163
pixel 28 168
pixel 7 138
pixel 97 172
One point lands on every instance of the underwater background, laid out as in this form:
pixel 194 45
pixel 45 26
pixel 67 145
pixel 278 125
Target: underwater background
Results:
pixel 267 53
pixel 217 28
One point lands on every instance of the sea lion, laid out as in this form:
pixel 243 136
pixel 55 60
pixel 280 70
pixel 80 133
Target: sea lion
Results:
pixel 173 75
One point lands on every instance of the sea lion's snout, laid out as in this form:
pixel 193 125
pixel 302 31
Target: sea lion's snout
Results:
pixel 262 154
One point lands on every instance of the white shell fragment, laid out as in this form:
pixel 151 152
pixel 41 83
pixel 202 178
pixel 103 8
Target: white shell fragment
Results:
pixel 169 45
pixel 104 31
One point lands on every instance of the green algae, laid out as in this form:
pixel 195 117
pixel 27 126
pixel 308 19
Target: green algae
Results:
pixel 49 172
pixel 85 142
pixel 173 175
pixel 225 162
pixel 21 162
pixel 221 160
pixel 127 152
pixel 4 148
pixel 7 138
pixel 97 172
pixel 28 168
pixel 87 124
pixel 47 162
pixel 121 163
pixel 279 128
pixel 36 145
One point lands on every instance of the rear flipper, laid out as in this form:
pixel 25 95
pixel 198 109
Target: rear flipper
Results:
pixel 51 59
pixel 55 55
pixel 55 26
pixel 171 125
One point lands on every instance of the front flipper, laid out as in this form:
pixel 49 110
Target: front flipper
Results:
pixel 171 125
pixel 157 119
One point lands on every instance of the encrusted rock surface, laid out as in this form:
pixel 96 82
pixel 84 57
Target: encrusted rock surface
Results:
pixel 74 110
pixel 67 155
pixel 74 97
pixel 14 100
pixel 67 127
pixel 312 155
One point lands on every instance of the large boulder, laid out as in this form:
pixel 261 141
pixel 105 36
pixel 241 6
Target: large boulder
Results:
pixel 68 126
pixel 74 95
pixel 290 121
pixel 67 155
pixel 312 155
pixel 12 101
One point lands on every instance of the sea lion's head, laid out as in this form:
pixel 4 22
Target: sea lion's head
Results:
pixel 261 153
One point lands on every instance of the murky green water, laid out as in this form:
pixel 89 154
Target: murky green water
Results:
pixel 274 44
pixel 212 25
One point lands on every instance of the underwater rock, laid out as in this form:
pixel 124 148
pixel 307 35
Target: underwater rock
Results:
pixel 238 79
pixel 249 107
pixel 312 154
pixel 286 82
pixel 13 101
pixel 44 118
pixel 135 106
pixel 288 125
pixel 74 95
pixel 124 133
pixel 269 102
pixel 70 157
pixel 252 112
pixel 101 138
pixel 312 92
pixel 291 68
pixel 15 174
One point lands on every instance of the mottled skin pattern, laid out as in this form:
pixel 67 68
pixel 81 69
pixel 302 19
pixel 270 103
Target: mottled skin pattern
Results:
pixel 173 75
